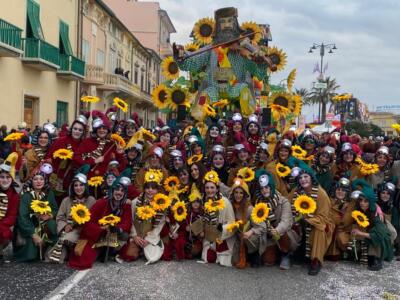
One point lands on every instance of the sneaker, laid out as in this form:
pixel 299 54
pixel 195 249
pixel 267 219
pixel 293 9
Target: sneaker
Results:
pixel 314 268
pixel 118 259
pixel 285 262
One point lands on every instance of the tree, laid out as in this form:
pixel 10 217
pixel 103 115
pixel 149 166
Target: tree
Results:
pixel 363 129
pixel 305 95
pixel 324 96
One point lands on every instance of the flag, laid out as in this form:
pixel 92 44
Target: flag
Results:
pixel 316 68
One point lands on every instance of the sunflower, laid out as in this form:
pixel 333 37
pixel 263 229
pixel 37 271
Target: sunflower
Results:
pixel 297 104
pixel 260 213
pixel 170 68
pixel 305 205
pixel 177 96
pixel 359 161
pixel 211 176
pixel 118 139
pixel 282 99
pixel 90 99
pixel 246 174
pixel 290 79
pixel 145 212
pixel 213 206
pixel 160 202
pixel 221 103
pixel 80 214
pixel 110 219
pixel 203 30
pixel 40 207
pixel 252 27
pixel 310 157
pixel 361 219
pixel 282 170
pixel 180 211
pixel 298 152
pixel 396 127
pixel 153 175
pixel 95 181
pixel 368 169
pixel 278 58
pixel 209 110
pixel 194 158
pixel 121 104
pixel 12 137
pixel 231 227
pixel 159 96
pixel 182 190
pixel 148 134
pixel 63 154
pixel 171 183
pixel 191 47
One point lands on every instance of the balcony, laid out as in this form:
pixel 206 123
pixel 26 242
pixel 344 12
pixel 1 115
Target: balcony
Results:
pixel 40 55
pixel 71 68
pixel 118 83
pixel 94 75
pixel 10 40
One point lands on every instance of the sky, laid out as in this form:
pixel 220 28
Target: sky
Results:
pixel 366 33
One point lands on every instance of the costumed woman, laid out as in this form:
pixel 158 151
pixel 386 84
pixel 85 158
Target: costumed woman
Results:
pixel 322 166
pixel 9 201
pixel 36 227
pixel 388 170
pixel 346 165
pixel 194 228
pixel 107 230
pixel 218 213
pixel 254 135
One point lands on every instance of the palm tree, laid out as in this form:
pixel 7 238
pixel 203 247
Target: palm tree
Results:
pixel 324 96
pixel 305 95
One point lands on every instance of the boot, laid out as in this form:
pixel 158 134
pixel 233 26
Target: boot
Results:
pixel 255 259
pixel 315 267
pixel 376 264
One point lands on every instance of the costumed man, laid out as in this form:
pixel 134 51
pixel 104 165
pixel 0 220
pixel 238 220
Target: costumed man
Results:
pixel 253 131
pixel 262 158
pixel 107 230
pixel 218 242
pixel 63 171
pixel 373 240
pixel 36 228
pixel 225 67
pixel 280 239
pixel 342 207
pixel 147 222
pixel 318 225
pixel 9 200
pixel 69 229
pixel 98 150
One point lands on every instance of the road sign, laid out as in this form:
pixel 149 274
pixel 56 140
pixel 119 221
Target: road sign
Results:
pixel 321 85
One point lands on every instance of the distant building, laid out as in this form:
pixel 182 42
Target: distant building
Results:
pixel 352 110
pixel 384 120
pixel 148 22
pixel 40 67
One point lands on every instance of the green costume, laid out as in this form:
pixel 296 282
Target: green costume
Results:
pixel 380 238
pixel 24 248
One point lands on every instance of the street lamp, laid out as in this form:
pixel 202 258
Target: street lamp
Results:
pixel 322 47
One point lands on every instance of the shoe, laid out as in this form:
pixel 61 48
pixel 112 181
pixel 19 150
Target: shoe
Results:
pixel 285 262
pixel 255 260
pixel 118 259
pixel 314 268
pixel 376 265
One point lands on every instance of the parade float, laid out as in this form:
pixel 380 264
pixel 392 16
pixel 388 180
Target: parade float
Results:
pixel 226 68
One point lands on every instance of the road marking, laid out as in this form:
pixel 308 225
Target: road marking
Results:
pixel 72 282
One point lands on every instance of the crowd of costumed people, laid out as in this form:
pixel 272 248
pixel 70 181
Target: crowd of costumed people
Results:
pixel 222 185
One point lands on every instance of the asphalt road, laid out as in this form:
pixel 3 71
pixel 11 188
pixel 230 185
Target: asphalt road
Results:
pixel 192 280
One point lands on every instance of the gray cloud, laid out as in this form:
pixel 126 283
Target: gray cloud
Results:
pixel 367 61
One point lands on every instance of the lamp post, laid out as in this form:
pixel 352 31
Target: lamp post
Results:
pixel 322 47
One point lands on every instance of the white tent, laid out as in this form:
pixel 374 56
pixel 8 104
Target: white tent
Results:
pixel 326 127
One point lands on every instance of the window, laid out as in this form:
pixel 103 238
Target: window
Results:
pixel 62 113
pixel 142 82
pixel 85 51
pixel 65 44
pixel 100 58
pixel 34 28
pixel 136 76
pixel 112 64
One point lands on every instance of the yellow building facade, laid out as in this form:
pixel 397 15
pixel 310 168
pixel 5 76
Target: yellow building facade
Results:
pixel 385 120
pixel 39 65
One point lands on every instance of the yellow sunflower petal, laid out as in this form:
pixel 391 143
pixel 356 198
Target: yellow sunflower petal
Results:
pixel 252 27
pixel 282 170
pixel 361 219
pixel 90 99
pixel 63 154
pixel 278 57
pixel 121 104
pixel 170 68
pixel 260 213
pixel 180 211
pixel 160 96
pixel 80 214
pixel 203 30
pixel 305 204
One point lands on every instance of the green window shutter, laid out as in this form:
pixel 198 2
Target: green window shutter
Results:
pixel 62 113
pixel 34 19
pixel 64 38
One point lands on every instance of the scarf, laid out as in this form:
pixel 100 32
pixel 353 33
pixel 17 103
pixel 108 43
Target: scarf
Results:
pixel 40 152
pixel 141 201
pixel 272 203
pixel 212 217
pixel 98 151
pixel 3 205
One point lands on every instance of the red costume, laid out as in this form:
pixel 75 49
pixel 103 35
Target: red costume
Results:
pixel 9 204
pixel 171 244
pixel 92 232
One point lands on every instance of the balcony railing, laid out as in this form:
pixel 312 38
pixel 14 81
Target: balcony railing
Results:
pixel 10 34
pixel 38 49
pixel 94 74
pixel 121 83
pixel 69 63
